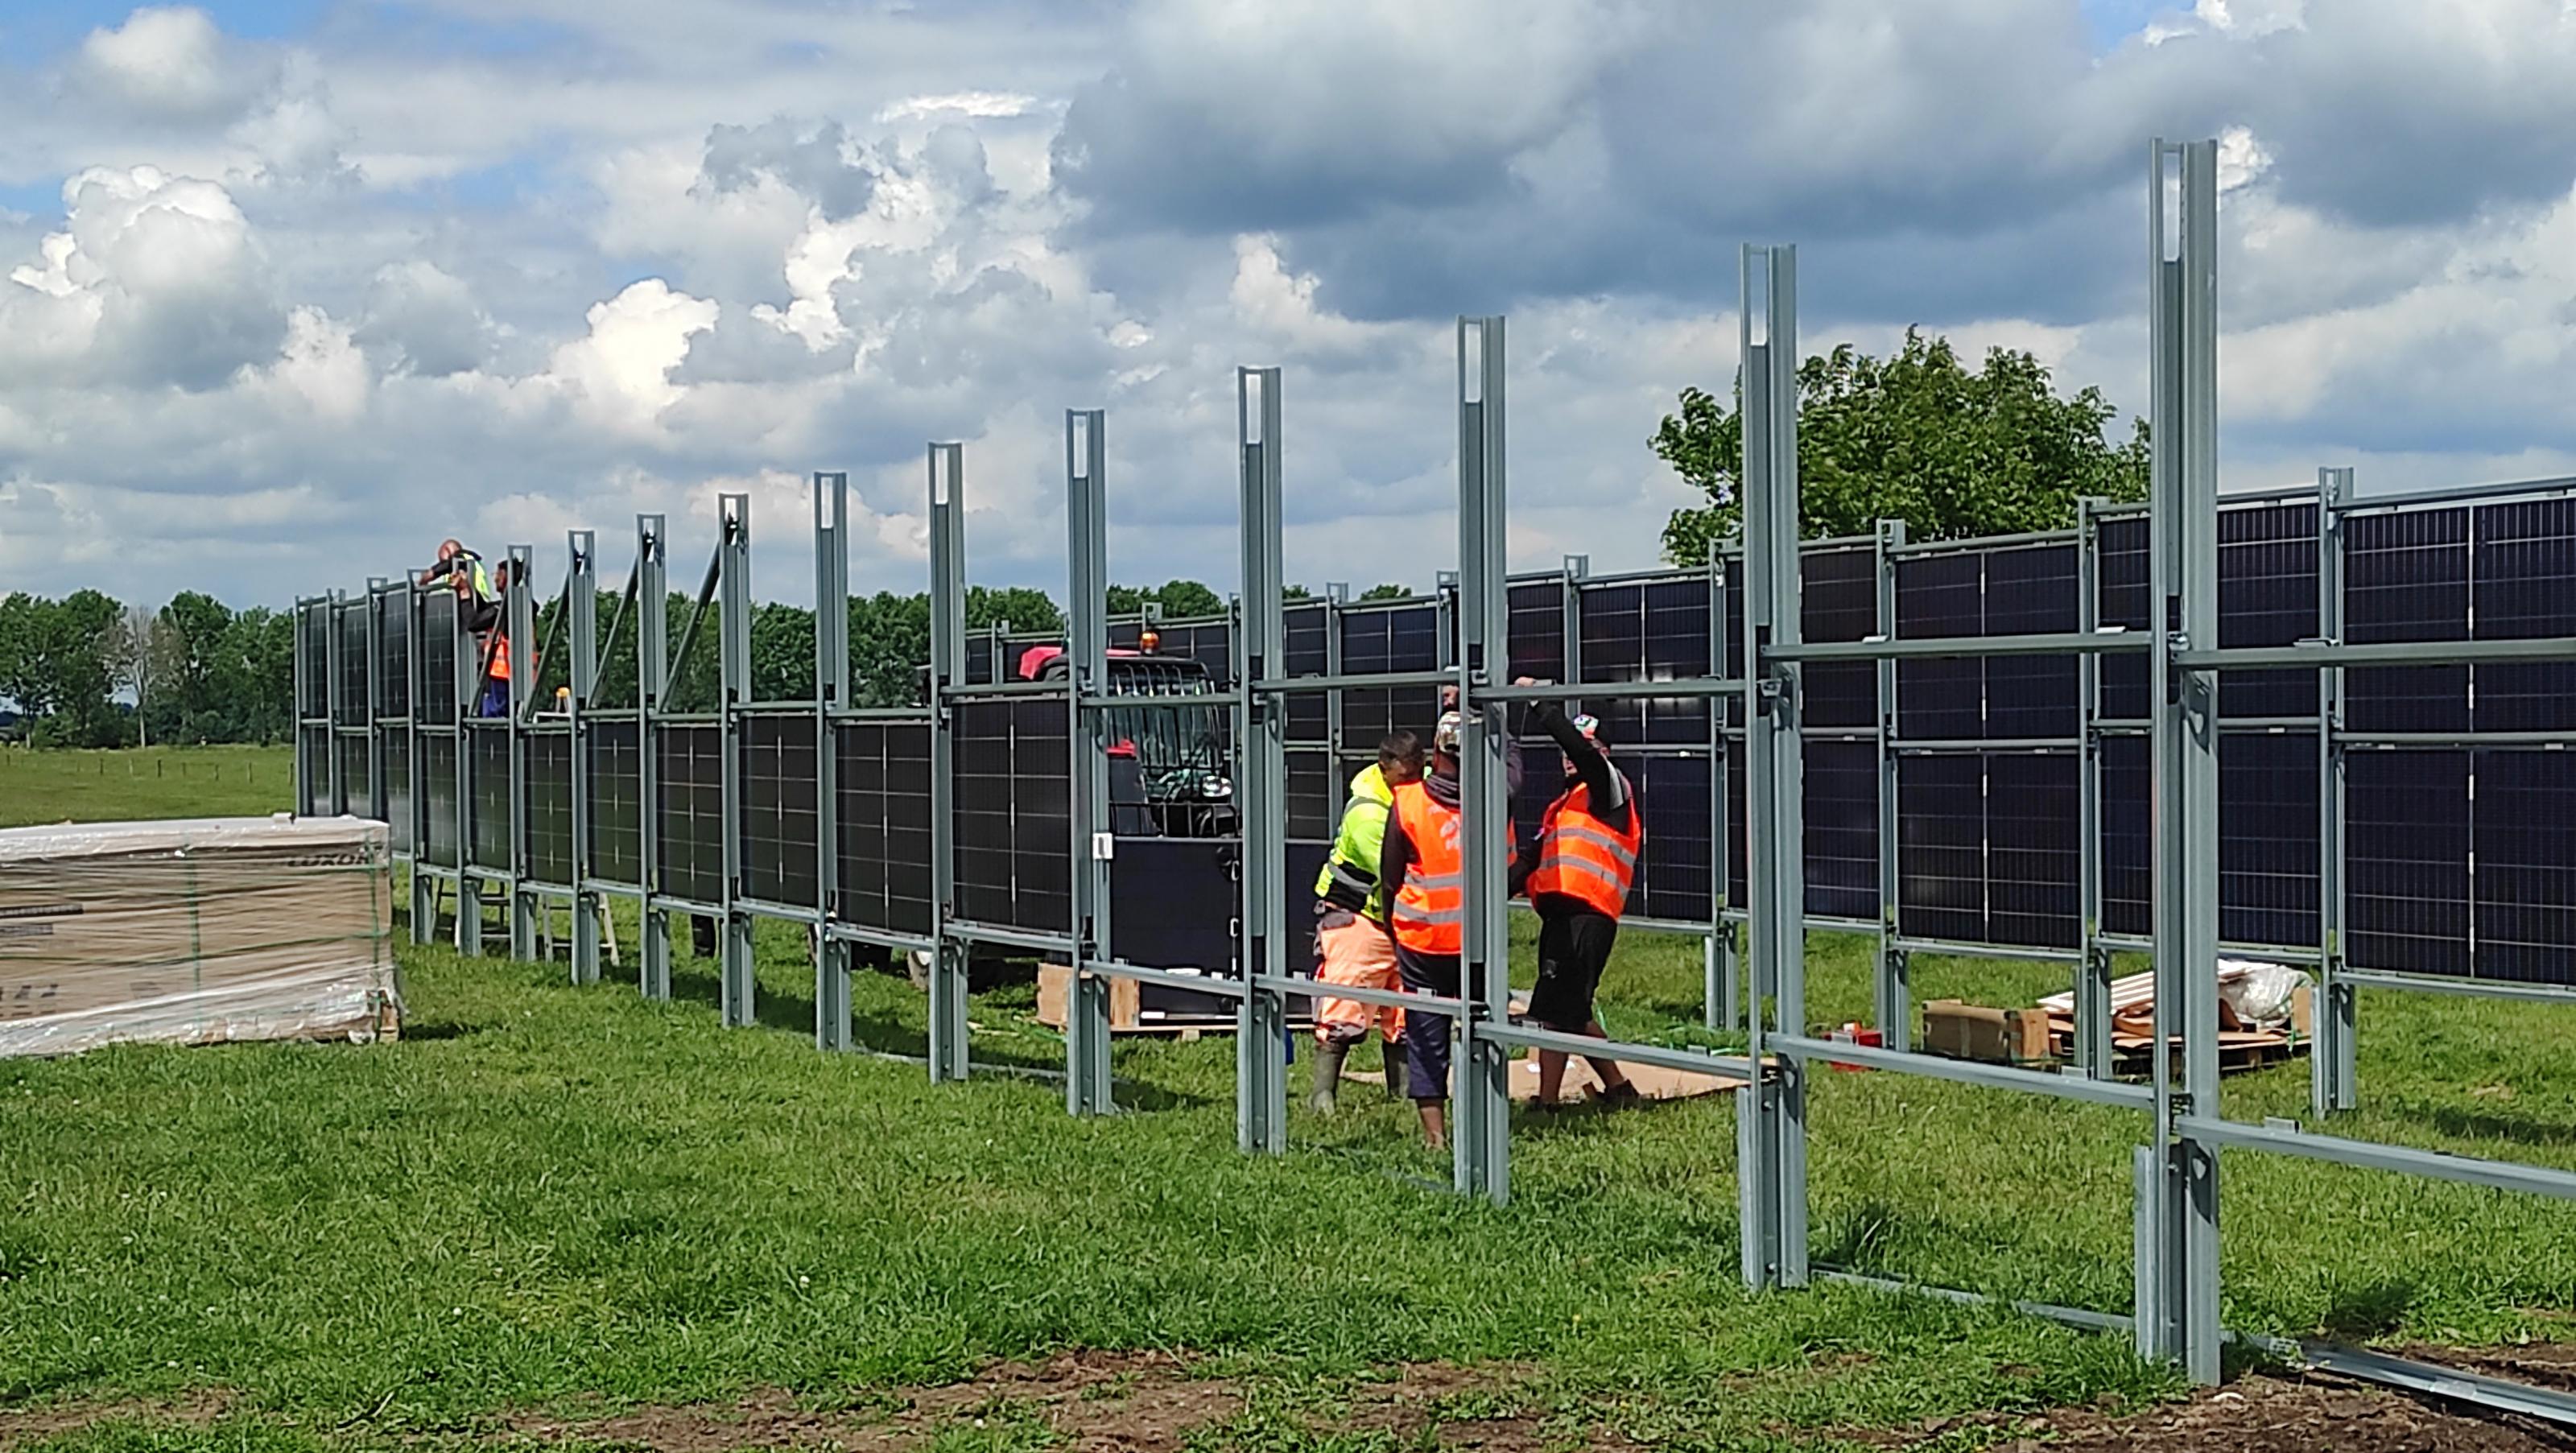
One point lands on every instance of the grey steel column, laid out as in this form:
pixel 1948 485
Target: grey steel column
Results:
pixel 1337 594
pixel 375 696
pixel 831 694
pixel 424 888
pixel 652 678
pixel 1894 1000
pixel 2332 1059
pixel 1481 1095
pixel 733 638
pixel 468 660
pixel 2183 328
pixel 1261 778
pixel 1086 1030
pixel 947 477
pixel 336 800
pixel 521 623
pixel 1772 1137
pixel 2093 970
pixel 581 601
pixel 1721 965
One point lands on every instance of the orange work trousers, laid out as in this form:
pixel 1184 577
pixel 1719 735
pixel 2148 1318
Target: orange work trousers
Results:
pixel 1358 953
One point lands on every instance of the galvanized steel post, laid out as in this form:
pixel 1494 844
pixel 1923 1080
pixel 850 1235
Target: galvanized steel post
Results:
pixel 652 679
pixel 1480 1096
pixel 521 627
pixel 947 489
pixel 1261 776
pixel 733 635
pixel 2334 1075
pixel 831 694
pixel 1086 1033
pixel 1893 1004
pixel 581 602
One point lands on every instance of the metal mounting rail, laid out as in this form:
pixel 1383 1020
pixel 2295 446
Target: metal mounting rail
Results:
pixel 1967 1072
pixel 2499 1175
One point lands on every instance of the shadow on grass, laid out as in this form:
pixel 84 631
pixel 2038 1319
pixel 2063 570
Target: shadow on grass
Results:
pixel 701 981
pixel 2374 1310
pixel 2489 1125
pixel 437 1030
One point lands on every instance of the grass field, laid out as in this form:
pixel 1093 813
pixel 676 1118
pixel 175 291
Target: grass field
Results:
pixel 572 1200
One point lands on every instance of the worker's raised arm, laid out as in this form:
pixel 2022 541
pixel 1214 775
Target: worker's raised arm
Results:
pixel 1590 763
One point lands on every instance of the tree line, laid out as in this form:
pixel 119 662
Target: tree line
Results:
pixel 90 671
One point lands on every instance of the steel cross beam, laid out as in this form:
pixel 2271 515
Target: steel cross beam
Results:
pixel 946 475
pixel 652 679
pixel 1480 1137
pixel 733 676
pixel 581 606
pixel 1261 776
pixel 1087 1088
pixel 831 693
pixel 1771 1115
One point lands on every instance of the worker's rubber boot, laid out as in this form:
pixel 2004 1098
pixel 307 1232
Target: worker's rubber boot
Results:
pixel 1328 1077
pixel 1391 1054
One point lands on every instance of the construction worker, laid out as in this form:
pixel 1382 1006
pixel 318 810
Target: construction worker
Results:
pixel 496 659
pixel 1353 944
pixel 1577 872
pixel 478 601
pixel 1425 874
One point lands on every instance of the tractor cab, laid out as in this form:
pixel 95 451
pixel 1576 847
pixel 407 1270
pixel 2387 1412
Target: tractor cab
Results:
pixel 1167 764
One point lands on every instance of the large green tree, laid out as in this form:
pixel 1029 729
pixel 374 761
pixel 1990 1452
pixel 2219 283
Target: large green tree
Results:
pixel 1917 437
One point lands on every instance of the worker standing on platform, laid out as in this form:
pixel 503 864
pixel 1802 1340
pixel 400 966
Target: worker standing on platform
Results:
pixel 1353 943
pixel 1577 872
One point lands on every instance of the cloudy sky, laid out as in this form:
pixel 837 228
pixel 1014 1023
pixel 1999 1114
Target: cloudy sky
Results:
pixel 291 288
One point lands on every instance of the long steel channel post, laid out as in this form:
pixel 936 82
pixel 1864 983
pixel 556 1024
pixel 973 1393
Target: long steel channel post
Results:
pixel 1086 1036
pixel 581 604
pixel 652 682
pixel 832 1028
pixel 733 692
pixel 945 473
pixel 1480 1098
pixel 521 624
pixel 1261 776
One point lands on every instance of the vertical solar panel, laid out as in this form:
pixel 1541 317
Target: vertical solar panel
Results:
pixel 1534 616
pixel 2121 566
pixel 616 802
pixel 349 619
pixel 1842 828
pixel 548 790
pixel 882 778
pixel 2406 578
pixel 488 815
pixel 1674 868
pixel 313 625
pixel 1838 601
pixel 2128 862
pixel 1940 596
pixel 1314 798
pixel 438 787
pixel 2031 590
pixel 1676 640
pixel 2033 849
pixel 1403 637
pixel 2524 586
pixel 2406 856
pixel 1302 646
pixel 393 618
pixel 2525 814
pixel 313 771
pixel 690 831
pixel 396 754
pixel 357 788
pixel 779 824
pixel 1736 859
pixel 2267 838
pixel 438 658
pixel 1613 621
pixel 2267 596
pixel 1014 814
pixel 1940 835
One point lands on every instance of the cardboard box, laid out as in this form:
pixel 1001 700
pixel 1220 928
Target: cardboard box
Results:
pixel 196 931
pixel 1997 1036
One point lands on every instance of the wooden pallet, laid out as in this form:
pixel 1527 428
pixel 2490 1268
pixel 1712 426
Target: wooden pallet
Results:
pixel 2134 1054
pixel 1127 1013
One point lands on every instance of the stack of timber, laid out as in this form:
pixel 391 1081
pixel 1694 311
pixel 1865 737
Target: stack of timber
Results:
pixel 1140 1008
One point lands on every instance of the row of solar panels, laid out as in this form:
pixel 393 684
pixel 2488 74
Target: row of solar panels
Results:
pixel 2455 864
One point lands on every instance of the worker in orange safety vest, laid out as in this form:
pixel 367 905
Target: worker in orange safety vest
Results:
pixel 1577 872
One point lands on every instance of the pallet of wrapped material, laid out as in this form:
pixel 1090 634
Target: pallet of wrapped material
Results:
pixel 197 931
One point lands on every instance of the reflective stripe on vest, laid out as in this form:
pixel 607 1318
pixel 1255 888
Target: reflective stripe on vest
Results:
pixel 1585 858
pixel 1429 914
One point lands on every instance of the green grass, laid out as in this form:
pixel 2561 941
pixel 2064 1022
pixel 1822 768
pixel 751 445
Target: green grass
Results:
pixel 49 786
pixel 546 1195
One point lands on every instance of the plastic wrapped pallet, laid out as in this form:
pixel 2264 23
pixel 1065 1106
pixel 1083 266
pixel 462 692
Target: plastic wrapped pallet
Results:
pixel 195 932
